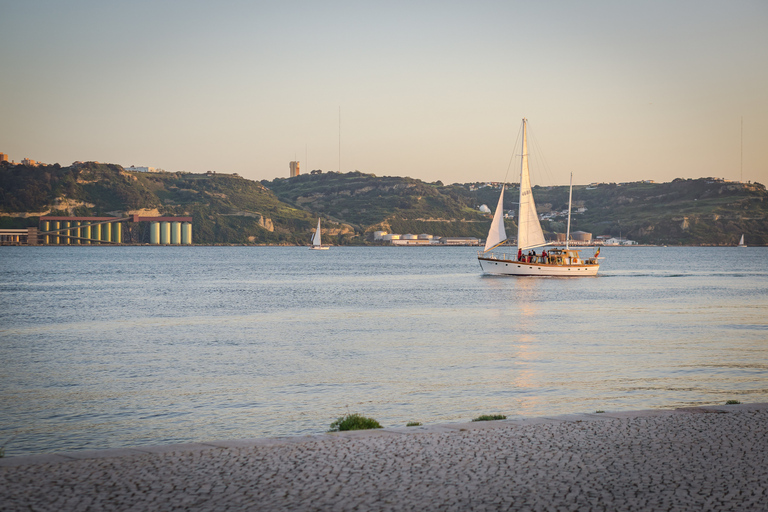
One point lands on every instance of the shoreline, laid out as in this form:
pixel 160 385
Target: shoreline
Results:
pixel 691 458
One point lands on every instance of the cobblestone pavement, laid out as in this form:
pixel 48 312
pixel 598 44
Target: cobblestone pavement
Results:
pixel 707 458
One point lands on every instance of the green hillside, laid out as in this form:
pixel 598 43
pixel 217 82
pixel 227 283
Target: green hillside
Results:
pixel 229 209
pixel 393 204
pixel 703 211
pixel 225 208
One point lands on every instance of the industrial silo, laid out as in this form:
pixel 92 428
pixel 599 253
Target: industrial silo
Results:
pixel 165 233
pixel 176 233
pixel 186 233
pixel 154 233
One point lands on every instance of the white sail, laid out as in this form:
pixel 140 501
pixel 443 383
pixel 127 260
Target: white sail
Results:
pixel 529 233
pixel 741 242
pixel 497 234
pixel 316 237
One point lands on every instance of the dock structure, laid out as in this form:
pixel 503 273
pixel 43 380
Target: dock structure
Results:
pixel 132 229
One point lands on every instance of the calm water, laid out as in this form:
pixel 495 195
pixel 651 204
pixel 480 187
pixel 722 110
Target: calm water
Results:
pixel 109 347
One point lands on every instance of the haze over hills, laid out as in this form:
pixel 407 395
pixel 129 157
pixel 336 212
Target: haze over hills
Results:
pixel 227 208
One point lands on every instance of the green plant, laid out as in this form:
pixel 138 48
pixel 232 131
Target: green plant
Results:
pixel 413 424
pixel 732 402
pixel 490 417
pixel 600 411
pixel 354 422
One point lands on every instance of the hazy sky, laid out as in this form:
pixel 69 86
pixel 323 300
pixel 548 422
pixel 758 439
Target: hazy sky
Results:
pixel 614 90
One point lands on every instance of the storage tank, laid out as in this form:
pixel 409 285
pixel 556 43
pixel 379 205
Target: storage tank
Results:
pixel 46 227
pixel 154 233
pixel 165 233
pixel 56 237
pixel 96 233
pixel 425 236
pixel 117 233
pixel 106 232
pixel 409 237
pixel 186 233
pixel 581 236
pixel 86 233
pixel 176 233
pixel 68 232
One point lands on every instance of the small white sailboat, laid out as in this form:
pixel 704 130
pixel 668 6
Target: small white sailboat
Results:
pixel 317 243
pixel 741 242
pixel 557 262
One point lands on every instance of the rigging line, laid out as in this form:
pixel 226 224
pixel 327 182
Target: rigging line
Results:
pixel 512 157
pixel 543 168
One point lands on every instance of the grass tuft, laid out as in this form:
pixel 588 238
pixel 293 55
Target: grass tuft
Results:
pixel 490 417
pixel 413 424
pixel 732 402
pixel 354 422
pixel 599 411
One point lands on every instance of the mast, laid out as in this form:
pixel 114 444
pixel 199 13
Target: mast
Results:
pixel 523 165
pixel 529 233
pixel 568 231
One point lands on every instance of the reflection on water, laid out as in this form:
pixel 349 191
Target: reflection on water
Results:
pixel 107 347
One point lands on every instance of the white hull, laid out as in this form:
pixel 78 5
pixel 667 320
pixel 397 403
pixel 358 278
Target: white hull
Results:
pixel 502 267
pixel 318 248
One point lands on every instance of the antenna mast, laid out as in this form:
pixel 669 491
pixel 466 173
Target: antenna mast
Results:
pixel 339 138
pixel 741 152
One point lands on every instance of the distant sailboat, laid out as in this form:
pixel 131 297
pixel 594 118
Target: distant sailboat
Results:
pixel 317 243
pixel 558 262
pixel 741 242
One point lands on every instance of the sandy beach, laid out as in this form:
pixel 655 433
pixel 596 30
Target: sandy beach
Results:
pixel 699 458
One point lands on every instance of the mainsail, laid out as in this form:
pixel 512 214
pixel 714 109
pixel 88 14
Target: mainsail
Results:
pixel 497 235
pixel 529 233
pixel 316 237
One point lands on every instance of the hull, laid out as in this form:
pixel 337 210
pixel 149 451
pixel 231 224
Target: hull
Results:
pixel 503 267
pixel 318 248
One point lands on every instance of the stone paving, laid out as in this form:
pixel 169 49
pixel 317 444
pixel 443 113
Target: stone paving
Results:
pixel 701 458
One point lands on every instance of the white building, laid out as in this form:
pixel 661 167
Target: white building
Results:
pixel 140 169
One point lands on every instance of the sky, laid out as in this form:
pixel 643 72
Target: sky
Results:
pixel 614 91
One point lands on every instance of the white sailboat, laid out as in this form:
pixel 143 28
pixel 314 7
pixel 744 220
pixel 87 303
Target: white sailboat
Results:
pixel 557 262
pixel 741 242
pixel 317 243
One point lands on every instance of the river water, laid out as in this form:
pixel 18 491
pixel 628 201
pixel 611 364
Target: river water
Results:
pixel 104 347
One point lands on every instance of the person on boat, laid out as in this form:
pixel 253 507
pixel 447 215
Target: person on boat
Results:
pixel 519 255
pixel 543 255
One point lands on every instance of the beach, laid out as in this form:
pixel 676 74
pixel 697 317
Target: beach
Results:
pixel 694 458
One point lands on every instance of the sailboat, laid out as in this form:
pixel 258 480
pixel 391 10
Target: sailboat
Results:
pixel 557 262
pixel 317 243
pixel 741 242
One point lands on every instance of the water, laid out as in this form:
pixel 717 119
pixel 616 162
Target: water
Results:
pixel 124 346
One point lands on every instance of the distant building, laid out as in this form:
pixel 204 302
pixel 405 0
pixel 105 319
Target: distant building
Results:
pixel 3 157
pixel 140 169
pixel 619 241
pixel 295 171
pixel 484 208
pixel 30 162
pixel 459 240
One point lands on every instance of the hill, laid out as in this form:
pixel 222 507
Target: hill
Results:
pixel 229 209
pixel 393 204
pixel 225 208
pixel 703 211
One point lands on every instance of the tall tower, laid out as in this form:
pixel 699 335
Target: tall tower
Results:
pixel 294 169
